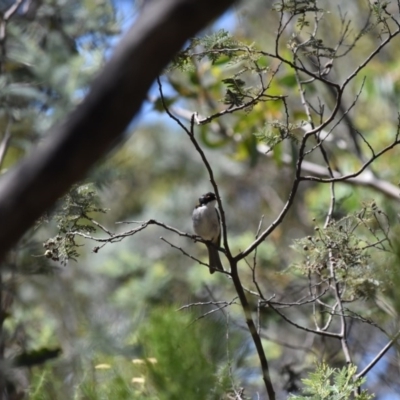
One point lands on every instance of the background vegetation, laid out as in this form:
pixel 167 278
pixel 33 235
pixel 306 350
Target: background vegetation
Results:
pixel 292 106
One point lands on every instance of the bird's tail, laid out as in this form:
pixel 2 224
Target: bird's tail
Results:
pixel 214 260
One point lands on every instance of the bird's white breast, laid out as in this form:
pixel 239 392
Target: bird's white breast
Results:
pixel 205 222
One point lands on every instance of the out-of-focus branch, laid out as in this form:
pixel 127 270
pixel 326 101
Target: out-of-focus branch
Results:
pixel 366 178
pixel 5 142
pixel 88 132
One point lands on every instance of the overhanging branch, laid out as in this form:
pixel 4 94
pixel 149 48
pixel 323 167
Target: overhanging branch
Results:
pixel 114 99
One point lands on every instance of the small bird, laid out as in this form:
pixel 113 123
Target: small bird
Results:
pixel 206 224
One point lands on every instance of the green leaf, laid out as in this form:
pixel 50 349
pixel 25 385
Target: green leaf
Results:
pixel 289 80
pixel 277 154
pixel 159 106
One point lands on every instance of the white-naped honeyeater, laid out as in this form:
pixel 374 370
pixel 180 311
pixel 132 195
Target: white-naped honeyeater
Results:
pixel 206 224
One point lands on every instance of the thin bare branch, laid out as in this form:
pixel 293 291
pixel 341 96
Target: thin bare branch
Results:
pixel 378 356
pixel 360 170
pixel 303 328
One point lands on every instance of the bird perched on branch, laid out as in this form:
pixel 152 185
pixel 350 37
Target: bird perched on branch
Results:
pixel 206 224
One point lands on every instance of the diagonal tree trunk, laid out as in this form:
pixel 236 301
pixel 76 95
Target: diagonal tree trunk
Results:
pixel 114 99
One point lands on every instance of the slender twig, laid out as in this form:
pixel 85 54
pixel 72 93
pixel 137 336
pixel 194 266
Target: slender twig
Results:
pixel 205 303
pixel 231 110
pixel 369 58
pixel 291 346
pixel 311 293
pixel 298 303
pixel 100 226
pixel 303 328
pixel 116 237
pixel 338 297
pixel 184 252
pixel 378 356
pixel 253 268
pixel 329 321
pixel 220 307
pixel 360 170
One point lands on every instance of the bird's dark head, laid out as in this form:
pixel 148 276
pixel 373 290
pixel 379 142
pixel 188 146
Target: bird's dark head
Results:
pixel 207 198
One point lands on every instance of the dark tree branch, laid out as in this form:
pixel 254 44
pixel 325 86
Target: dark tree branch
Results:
pixel 253 330
pixel 115 98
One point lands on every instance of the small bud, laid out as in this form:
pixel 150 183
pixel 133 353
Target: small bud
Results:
pixel 305 248
pixel 316 228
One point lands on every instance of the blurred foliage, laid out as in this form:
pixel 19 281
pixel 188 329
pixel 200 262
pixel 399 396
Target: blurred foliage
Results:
pixel 178 357
pixel 186 355
pixel 72 218
pixel 53 50
pixel 111 306
pixel 333 384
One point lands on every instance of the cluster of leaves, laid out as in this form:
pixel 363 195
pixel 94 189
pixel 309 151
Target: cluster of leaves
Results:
pixel 346 245
pixel 222 48
pixel 296 7
pixel 214 46
pixel 235 93
pixel 379 9
pixel 316 47
pixel 275 132
pixel 327 383
pixel 73 218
